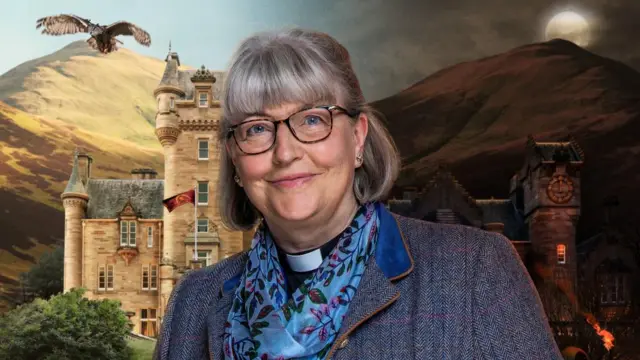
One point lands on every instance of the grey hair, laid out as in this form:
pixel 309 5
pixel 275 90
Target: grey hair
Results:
pixel 297 66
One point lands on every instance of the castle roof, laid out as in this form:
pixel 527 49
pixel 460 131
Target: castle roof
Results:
pixel 444 188
pixel 183 79
pixel 107 197
pixel 503 211
pixel 75 185
pixel 170 76
pixel 443 176
pixel 551 151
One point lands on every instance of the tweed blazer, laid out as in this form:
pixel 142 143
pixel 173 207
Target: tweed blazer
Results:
pixel 432 291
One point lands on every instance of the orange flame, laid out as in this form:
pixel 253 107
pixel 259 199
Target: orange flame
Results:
pixel 546 272
pixel 607 337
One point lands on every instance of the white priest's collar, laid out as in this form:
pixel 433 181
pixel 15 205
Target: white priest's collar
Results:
pixel 305 262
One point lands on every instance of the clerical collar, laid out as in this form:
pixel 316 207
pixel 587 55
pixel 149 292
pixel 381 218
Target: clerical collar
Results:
pixel 308 260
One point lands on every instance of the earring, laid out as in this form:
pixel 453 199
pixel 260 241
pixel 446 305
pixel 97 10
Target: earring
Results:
pixel 359 158
pixel 236 178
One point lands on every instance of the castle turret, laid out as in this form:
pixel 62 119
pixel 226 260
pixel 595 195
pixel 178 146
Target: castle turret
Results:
pixel 74 199
pixel 167 130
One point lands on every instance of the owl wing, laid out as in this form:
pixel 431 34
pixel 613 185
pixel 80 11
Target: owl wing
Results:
pixel 62 24
pixel 126 28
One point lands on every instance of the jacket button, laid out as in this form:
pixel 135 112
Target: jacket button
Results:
pixel 343 343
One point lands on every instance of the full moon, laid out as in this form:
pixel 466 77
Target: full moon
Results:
pixel 570 26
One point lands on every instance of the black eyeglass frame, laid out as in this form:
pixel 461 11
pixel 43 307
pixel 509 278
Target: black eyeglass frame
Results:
pixel 330 108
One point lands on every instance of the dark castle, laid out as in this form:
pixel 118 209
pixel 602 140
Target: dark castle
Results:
pixel 540 218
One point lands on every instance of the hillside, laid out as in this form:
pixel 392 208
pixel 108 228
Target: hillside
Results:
pixel 111 95
pixel 73 97
pixel 475 117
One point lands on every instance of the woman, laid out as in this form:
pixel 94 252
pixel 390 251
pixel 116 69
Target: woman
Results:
pixel 331 273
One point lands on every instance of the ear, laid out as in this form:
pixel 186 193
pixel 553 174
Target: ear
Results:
pixel 360 130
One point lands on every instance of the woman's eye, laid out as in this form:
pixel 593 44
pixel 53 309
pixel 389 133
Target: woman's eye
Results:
pixel 312 120
pixel 255 129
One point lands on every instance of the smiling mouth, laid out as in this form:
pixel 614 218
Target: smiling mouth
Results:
pixel 293 181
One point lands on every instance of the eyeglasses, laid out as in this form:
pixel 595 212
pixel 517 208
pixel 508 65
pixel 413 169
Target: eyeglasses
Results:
pixel 310 125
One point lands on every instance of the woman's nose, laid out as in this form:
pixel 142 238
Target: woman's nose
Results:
pixel 286 147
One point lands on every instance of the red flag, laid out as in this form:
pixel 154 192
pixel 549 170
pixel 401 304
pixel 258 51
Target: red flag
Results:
pixel 180 199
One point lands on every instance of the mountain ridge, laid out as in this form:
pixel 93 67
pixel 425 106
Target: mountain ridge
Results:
pixel 475 117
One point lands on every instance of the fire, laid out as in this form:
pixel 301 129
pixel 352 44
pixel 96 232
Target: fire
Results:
pixel 607 337
pixel 546 272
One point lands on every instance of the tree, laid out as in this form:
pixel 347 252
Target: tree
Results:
pixel 68 326
pixel 45 278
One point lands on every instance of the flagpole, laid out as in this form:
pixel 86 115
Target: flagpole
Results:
pixel 195 216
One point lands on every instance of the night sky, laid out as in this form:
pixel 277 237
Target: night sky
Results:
pixel 413 39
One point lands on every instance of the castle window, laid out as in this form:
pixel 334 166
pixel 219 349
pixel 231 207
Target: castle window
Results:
pixel 203 225
pixel 109 277
pixel 132 233
pixel 611 288
pixel 203 193
pixel 172 103
pixel 148 322
pixel 145 277
pixel 561 251
pixel 105 277
pixel 203 99
pixel 149 277
pixel 102 278
pixel 205 256
pixel 154 277
pixel 128 233
pixel 203 149
pixel 150 236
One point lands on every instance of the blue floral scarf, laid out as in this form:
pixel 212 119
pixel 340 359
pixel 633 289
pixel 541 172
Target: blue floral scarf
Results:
pixel 264 324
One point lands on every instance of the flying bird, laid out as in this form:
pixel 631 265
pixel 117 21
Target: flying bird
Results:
pixel 103 38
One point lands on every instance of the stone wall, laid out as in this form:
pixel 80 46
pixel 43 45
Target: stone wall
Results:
pixel 101 244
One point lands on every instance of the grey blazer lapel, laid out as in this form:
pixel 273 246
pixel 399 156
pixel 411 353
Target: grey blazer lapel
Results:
pixel 217 317
pixel 216 322
pixel 375 293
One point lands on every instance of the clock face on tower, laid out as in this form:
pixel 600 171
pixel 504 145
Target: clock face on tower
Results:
pixel 560 189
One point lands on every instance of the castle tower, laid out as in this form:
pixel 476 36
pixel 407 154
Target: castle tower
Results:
pixel 187 124
pixel 74 199
pixel 167 131
pixel 551 184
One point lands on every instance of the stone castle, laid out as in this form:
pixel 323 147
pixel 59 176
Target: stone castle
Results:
pixel 120 241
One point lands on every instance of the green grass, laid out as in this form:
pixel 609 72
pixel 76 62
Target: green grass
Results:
pixel 142 350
